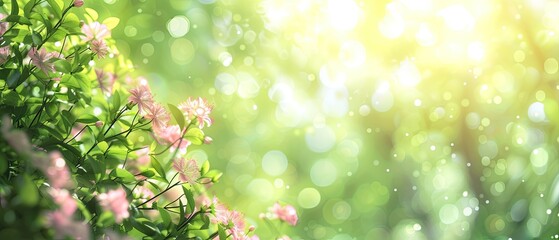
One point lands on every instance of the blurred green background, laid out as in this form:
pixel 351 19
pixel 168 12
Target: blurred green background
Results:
pixel 404 119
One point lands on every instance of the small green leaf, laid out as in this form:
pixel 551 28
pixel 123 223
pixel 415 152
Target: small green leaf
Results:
pixel 205 168
pixel 55 7
pixel 145 226
pixel 195 136
pixel 150 172
pixel 177 115
pixel 63 66
pixel 28 193
pixel 115 100
pixel 182 214
pixel 28 8
pixel 11 98
pixel 103 146
pixel 221 232
pixel 92 14
pixel 15 8
pixel 87 119
pixel 165 217
pixel 111 22
pixel 190 198
pixel 126 176
pixel 37 39
pixel 13 78
pixel 157 166
pixel 19 19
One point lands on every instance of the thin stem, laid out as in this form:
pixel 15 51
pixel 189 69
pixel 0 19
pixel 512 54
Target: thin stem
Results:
pixel 77 134
pixel 122 110
pixel 159 194
pixel 213 235
pixel 56 26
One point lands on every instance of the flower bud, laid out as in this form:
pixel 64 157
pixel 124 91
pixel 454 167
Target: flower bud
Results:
pixel 251 228
pixel 98 124
pixel 208 140
pixel 78 3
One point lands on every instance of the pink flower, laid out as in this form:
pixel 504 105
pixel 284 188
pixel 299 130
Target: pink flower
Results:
pixel 116 202
pixel 95 30
pixel 99 47
pixel 41 59
pixel 15 138
pixel 3 24
pixel 158 115
pixel 142 194
pixel 64 200
pixel 188 170
pixel 172 135
pixel 57 172
pixel 61 219
pixel 143 156
pixel 141 96
pixel 233 220
pixel 208 140
pixel 286 213
pixel 78 3
pixel 199 109
pixel 4 54
pixel 106 80
pixel 66 227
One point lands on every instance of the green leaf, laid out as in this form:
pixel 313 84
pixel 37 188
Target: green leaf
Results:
pixel 123 174
pixel 19 19
pixel 15 8
pixel 145 226
pixel 205 168
pixel 157 166
pixel 103 146
pixel 177 115
pixel 111 22
pixel 11 98
pixel 150 172
pixel 115 100
pixel 28 8
pixel 195 136
pixel 190 198
pixel 92 14
pixel 37 39
pixel 28 193
pixel 165 217
pixel 87 119
pixel 182 214
pixel 55 7
pixel 221 232
pixel 63 66
pixel 105 219
pixel 13 78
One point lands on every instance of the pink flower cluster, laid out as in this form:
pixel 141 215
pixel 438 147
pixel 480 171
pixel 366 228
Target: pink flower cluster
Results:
pixel 232 220
pixel 95 33
pixel 42 59
pixel 115 201
pixel 57 172
pixel 106 81
pixel 286 213
pixel 193 110
pixel 61 219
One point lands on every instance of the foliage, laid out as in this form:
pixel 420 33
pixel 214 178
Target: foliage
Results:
pixel 86 151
